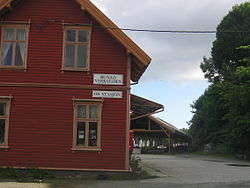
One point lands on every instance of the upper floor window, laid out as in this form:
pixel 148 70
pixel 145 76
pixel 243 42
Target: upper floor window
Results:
pixel 14 46
pixel 4 121
pixel 76 48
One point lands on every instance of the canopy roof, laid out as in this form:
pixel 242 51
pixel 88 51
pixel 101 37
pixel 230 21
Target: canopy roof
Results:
pixel 140 60
pixel 167 126
pixel 153 126
pixel 142 107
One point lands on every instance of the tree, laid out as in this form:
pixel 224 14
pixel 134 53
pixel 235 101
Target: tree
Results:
pixel 222 114
pixel 237 101
pixel 232 32
pixel 207 122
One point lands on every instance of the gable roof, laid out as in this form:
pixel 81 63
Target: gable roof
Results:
pixel 140 60
pixel 174 130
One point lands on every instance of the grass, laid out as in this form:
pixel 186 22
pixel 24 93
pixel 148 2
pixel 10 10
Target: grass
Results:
pixel 29 174
pixel 34 174
pixel 37 175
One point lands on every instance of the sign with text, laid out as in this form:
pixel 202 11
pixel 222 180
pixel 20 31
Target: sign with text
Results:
pixel 108 79
pixel 107 94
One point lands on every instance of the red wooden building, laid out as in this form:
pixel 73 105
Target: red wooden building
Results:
pixel 65 73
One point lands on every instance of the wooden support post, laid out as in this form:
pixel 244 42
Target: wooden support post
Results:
pixel 149 124
pixel 169 142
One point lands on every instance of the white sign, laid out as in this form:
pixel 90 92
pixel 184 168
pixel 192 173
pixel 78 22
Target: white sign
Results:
pixel 108 79
pixel 107 94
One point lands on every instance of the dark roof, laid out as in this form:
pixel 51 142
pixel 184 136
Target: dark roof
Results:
pixel 174 130
pixel 141 106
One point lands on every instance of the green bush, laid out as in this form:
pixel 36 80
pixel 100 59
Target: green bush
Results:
pixel 29 173
pixel 135 164
pixel 9 172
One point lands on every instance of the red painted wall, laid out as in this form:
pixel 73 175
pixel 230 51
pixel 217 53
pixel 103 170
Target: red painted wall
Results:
pixel 45 45
pixel 41 119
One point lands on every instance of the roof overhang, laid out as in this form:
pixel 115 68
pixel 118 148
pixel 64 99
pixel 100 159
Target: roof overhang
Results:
pixel 141 107
pixel 167 126
pixel 139 59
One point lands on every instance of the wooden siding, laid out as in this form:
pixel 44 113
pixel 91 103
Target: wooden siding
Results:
pixel 41 119
pixel 140 59
pixel 41 125
pixel 46 43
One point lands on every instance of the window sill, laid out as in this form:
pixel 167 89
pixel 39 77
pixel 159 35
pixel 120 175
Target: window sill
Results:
pixel 12 68
pixel 86 149
pixel 4 147
pixel 75 70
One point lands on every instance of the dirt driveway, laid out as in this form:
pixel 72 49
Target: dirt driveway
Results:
pixel 175 171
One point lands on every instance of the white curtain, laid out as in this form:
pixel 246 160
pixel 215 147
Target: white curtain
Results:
pixel 20 46
pixel 21 33
pixel 19 59
pixel 7 56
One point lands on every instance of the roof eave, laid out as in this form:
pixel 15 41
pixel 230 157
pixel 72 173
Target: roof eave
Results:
pixel 140 56
pixel 141 59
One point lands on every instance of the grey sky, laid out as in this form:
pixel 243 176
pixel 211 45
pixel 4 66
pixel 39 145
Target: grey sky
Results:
pixel 176 57
pixel 174 78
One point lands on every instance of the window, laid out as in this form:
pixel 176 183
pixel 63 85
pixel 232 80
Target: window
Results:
pixel 76 48
pixel 14 46
pixel 4 122
pixel 87 123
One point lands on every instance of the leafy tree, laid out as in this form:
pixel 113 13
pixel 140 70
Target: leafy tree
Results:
pixel 185 130
pixel 238 116
pixel 210 72
pixel 232 32
pixel 222 114
pixel 207 121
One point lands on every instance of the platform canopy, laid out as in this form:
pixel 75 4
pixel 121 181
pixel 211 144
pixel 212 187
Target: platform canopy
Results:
pixel 141 107
pixel 177 133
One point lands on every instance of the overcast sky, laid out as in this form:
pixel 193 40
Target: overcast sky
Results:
pixel 174 78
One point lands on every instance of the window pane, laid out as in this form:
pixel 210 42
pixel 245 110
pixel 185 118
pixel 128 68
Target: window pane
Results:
pixel 83 36
pixel 2 130
pixel 93 111
pixel 92 134
pixel 19 59
pixel 82 56
pixel 81 111
pixel 2 109
pixel 7 53
pixel 70 55
pixel 9 34
pixel 80 134
pixel 21 34
pixel 71 35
